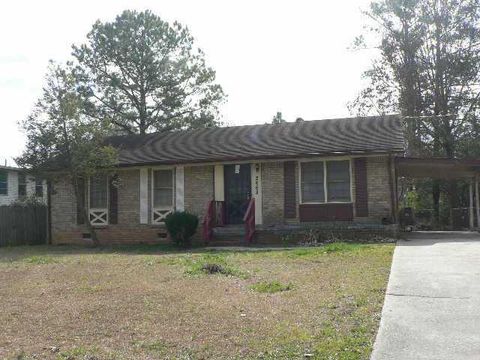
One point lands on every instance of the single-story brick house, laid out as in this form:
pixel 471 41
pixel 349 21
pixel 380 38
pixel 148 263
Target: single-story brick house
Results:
pixel 338 170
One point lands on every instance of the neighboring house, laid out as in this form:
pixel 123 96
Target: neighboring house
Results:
pixel 339 170
pixel 16 184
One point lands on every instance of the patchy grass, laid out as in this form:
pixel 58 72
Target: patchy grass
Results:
pixel 200 264
pixel 326 249
pixel 155 347
pixel 270 287
pixel 75 353
pixel 40 259
pixel 156 302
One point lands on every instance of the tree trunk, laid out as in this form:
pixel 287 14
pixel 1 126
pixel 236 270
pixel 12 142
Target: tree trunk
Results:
pixel 436 183
pixel 143 110
pixel 408 96
pixel 452 200
pixel 436 202
pixel 90 228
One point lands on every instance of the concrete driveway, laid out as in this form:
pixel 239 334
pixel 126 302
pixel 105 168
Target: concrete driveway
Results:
pixel 432 305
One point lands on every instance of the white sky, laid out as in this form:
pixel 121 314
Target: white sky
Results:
pixel 288 56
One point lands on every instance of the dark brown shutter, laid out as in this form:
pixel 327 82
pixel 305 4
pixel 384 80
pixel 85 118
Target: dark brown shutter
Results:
pixel 81 202
pixel 113 200
pixel 290 207
pixel 361 189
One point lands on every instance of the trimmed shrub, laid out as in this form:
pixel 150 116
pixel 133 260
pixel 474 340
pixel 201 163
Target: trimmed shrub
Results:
pixel 181 226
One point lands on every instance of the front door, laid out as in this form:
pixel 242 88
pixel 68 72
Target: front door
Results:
pixel 238 189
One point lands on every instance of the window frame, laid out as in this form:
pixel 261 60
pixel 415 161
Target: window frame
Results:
pixel 161 211
pixel 24 185
pixel 106 210
pixel 6 172
pixel 325 180
pixel 39 184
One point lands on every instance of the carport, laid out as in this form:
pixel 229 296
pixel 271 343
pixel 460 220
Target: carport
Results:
pixel 445 169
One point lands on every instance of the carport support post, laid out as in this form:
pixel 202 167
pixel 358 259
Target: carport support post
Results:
pixel 470 213
pixel 477 200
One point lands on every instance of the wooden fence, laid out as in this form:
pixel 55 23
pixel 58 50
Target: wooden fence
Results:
pixel 23 225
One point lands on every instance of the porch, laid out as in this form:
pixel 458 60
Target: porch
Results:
pixel 304 233
pixel 274 199
pixel 237 203
pixel 236 214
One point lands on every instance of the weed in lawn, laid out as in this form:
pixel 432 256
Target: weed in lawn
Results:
pixel 213 269
pixel 290 342
pixel 284 352
pixel 79 352
pixel 20 356
pixel 200 264
pixel 149 303
pixel 201 267
pixel 349 331
pixel 343 247
pixel 270 287
pixel 158 347
pixel 325 249
pixel 289 333
pixel 40 260
pixel 142 249
pixel 352 345
pixel 149 260
pixel 89 289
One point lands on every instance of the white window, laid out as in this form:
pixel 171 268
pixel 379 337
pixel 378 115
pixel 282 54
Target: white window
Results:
pixel 22 185
pixel 338 181
pixel 325 181
pixel 313 187
pixel 98 199
pixel 38 187
pixel 162 194
pixel 3 182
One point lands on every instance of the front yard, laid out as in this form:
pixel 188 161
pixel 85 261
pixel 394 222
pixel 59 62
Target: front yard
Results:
pixel 153 303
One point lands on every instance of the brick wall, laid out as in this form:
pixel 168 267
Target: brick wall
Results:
pixel 129 198
pixel 64 207
pixel 272 193
pixel 128 229
pixel 379 197
pixel 199 189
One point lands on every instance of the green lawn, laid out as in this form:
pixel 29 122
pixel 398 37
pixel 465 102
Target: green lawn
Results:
pixel 149 302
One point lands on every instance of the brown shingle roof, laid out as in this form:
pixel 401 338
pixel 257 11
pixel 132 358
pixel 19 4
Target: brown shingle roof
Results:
pixel 382 134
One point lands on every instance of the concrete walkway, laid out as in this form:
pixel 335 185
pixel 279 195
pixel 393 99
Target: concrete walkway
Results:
pixel 432 305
